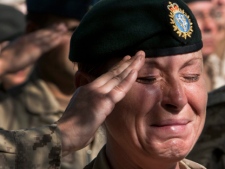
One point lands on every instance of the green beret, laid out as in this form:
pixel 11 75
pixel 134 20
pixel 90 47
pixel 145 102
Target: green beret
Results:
pixel 65 8
pixel 12 23
pixel 115 28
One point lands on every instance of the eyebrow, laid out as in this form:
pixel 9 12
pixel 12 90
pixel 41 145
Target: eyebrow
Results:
pixel 190 62
pixel 153 63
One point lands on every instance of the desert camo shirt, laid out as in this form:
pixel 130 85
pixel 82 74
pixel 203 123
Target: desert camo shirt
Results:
pixel 101 162
pixel 21 149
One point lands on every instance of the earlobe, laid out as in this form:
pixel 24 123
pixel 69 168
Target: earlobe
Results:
pixel 81 79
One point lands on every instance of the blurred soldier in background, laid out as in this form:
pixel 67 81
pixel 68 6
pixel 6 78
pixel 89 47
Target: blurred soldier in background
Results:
pixel 220 45
pixel 211 143
pixel 210 148
pixel 12 25
pixel 44 98
pixel 206 15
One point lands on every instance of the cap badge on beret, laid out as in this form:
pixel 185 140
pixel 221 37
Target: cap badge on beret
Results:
pixel 180 21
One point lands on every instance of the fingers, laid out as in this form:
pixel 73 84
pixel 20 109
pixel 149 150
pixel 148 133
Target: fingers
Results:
pixel 108 75
pixel 124 83
pixel 121 74
pixel 119 68
pixel 48 38
pixel 117 82
pixel 28 48
pixel 92 103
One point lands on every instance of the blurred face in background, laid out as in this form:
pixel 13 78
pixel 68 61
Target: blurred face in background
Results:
pixel 11 80
pixel 206 14
pixel 220 5
pixel 14 79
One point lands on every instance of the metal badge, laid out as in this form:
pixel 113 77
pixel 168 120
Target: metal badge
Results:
pixel 181 22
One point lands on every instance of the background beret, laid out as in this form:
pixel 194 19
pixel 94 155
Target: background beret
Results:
pixel 115 28
pixel 12 23
pixel 66 8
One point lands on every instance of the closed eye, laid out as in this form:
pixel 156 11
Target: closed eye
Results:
pixel 191 78
pixel 146 80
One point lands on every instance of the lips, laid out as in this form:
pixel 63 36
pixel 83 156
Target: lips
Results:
pixel 208 40
pixel 171 122
pixel 171 128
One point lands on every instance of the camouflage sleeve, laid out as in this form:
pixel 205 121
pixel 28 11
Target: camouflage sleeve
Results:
pixel 37 148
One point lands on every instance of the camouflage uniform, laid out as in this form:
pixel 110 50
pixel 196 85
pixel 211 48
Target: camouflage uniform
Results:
pixel 36 148
pixel 210 148
pixel 101 162
pixel 34 105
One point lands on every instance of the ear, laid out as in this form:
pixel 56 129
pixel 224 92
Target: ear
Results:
pixel 81 79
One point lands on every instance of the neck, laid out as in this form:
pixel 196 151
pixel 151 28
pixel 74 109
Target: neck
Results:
pixel 62 94
pixel 121 157
pixel 59 81
pixel 220 48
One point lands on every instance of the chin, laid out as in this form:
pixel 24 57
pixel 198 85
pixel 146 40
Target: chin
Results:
pixel 207 52
pixel 173 149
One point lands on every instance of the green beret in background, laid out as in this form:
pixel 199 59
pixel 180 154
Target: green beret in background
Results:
pixel 12 23
pixel 65 8
pixel 115 28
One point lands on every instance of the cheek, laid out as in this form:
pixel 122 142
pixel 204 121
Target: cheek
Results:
pixel 130 113
pixel 197 100
pixel 145 97
pixel 197 97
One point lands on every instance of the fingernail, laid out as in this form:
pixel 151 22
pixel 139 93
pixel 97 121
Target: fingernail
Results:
pixel 127 57
pixel 60 27
pixel 140 54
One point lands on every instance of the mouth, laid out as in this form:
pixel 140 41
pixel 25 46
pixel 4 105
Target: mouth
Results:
pixel 171 122
pixel 208 40
pixel 171 128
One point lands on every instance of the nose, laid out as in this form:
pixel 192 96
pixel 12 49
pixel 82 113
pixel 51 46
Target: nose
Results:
pixel 209 24
pixel 174 97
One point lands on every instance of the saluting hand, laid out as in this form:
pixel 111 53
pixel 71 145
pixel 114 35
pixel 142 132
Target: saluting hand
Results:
pixel 93 102
pixel 28 48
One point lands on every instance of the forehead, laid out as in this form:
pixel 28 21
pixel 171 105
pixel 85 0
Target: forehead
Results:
pixel 201 6
pixel 176 60
pixel 165 61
